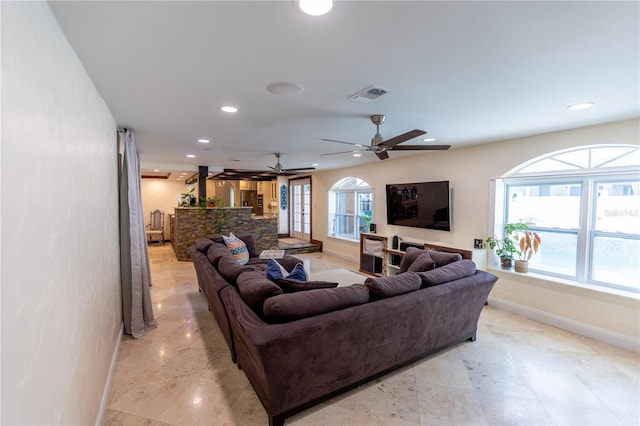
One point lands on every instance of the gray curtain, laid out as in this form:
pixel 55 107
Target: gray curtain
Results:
pixel 134 258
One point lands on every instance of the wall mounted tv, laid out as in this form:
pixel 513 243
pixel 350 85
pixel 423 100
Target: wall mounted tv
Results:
pixel 420 205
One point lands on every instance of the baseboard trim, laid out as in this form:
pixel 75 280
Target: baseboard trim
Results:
pixel 587 330
pixel 340 256
pixel 104 402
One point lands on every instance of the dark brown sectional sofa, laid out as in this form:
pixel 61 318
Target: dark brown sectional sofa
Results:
pixel 300 348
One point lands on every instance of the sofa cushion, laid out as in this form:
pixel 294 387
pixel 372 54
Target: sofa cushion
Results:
pixel 237 247
pixel 289 285
pixel 289 262
pixel 250 243
pixel 216 251
pixel 393 285
pixel 444 258
pixel 230 269
pixel 450 272
pixel 423 262
pixel 410 255
pixel 255 288
pixel 203 245
pixel 276 271
pixel 303 304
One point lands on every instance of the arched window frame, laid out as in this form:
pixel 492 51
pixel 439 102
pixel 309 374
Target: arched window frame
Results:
pixel 579 229
pixel 350 202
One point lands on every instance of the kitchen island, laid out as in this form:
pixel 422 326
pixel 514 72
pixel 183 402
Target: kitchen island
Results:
pixel 188 224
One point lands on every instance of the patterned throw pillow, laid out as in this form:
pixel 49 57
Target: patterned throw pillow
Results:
pixel 276 271
pixel 237 247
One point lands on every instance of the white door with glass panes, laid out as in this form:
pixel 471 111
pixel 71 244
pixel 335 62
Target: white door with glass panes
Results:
pixel 301 209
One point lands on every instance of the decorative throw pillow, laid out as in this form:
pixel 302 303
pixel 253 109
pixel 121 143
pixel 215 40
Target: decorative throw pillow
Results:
pixel 424 262
pixel 276 271
pixel 450 272
pixel 289 285
pixel 444 258
pixel 237 247
pixel 410 255
pixel 393 285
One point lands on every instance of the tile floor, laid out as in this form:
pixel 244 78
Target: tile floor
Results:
pixel 518 372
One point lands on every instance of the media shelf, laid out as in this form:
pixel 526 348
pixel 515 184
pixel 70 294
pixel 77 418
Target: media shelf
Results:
pixel 393 257
pixel 372 257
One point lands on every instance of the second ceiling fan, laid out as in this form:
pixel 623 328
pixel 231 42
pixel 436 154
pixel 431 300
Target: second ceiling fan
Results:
pixel 380 146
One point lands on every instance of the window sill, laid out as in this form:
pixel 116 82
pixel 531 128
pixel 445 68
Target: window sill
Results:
pixel 533 278
pixel 351 240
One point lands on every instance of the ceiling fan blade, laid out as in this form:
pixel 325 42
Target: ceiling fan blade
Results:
pixel 403 137
pixel 298 169
pixel 346 143
pixel 343 152
pixel 274 169
pixel 382 155
pixel 421 148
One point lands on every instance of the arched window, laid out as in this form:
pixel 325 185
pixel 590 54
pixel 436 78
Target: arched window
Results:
pixel 585 204
pixel 350 205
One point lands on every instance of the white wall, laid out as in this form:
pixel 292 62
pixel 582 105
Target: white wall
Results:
pixel 161 194
pixel 469 171
pixel 61 302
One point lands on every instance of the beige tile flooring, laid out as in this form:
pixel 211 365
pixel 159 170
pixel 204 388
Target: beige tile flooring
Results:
pixel 518 372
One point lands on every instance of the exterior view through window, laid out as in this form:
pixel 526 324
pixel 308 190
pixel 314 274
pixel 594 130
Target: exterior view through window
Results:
pixel 585 204
pixel 350 204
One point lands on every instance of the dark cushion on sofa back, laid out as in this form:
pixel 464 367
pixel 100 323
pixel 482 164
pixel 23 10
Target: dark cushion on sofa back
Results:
pixel 217 251
pixel 254 288
pixel 250 243
pixel 230 269
pixel 444 258
pixel 203 245
pixel 424 262
pixel 410 255
pixel 393 285
pixel 450 272
pixel 304 304
pixel 289 285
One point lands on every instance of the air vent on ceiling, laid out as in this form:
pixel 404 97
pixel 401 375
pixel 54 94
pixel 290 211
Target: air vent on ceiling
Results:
pixel 368 94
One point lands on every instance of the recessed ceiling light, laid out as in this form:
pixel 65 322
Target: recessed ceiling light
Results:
pixel 582 105
pixel 428 139
pixel 229 108
pixel 203 140
pixel 315 7
pixel 191 156
pixel 357 144
pixel 357 154
pixel 314 165
pixel 156 170
pixel 183 173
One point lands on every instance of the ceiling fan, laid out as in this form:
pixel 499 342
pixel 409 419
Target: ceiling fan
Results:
pixel 380 146
pixel 278 170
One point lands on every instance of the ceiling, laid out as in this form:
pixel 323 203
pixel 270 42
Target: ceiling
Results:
pixel 465 72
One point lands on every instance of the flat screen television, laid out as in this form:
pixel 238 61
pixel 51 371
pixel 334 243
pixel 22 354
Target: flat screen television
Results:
pixel 420 205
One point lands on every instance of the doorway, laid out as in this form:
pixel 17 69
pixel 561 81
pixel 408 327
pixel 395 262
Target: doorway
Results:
pixel 301 209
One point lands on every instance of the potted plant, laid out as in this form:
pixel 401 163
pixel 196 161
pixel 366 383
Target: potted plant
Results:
pixel 214 201
pixel 529 243
pixel 187 199
pixel 507 247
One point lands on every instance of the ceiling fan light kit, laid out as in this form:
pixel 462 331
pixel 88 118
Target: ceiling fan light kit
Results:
pixel 380 146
